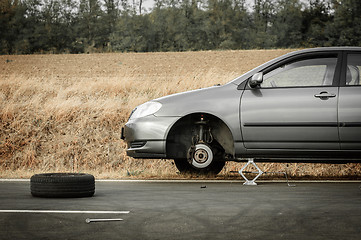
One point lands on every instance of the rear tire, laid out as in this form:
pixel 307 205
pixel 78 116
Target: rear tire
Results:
pixel 62 185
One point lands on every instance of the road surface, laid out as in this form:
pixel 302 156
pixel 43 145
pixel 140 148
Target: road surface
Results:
pixel 186 210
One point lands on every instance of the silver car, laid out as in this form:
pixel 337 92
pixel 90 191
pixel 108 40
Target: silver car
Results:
pixel 304 106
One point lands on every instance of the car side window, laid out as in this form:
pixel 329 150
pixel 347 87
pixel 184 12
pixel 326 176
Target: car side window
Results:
pixel 353 69
pixel 302 73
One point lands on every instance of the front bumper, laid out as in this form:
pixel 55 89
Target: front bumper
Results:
pixel 146 137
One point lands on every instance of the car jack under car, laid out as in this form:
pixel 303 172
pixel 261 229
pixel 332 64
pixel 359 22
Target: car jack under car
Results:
pixel 259 172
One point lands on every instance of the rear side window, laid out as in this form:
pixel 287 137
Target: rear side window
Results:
pixel 302 73
pixel 353 69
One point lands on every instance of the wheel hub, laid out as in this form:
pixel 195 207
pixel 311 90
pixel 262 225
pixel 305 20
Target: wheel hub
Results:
pixel 200 156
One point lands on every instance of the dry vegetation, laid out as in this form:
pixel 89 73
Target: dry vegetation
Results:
pixel 65 112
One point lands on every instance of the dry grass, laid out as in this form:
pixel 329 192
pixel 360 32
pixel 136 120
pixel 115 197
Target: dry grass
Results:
pixel 65 112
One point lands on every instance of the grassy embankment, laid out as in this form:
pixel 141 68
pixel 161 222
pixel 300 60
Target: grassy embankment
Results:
pixel 64 112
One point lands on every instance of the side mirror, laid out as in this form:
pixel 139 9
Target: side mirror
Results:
pixel 256 80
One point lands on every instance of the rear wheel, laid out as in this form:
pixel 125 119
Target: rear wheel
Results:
pixel 202 159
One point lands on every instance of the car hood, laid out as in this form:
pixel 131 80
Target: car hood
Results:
pixel 208 100
pixel 175 96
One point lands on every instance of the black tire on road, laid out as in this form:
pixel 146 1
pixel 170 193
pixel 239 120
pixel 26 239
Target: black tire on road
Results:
pixel 62 185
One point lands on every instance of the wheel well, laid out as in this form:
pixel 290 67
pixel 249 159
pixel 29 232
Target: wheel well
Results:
pixel 179 138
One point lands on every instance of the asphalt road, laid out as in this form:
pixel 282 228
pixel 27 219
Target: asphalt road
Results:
pixel 187 210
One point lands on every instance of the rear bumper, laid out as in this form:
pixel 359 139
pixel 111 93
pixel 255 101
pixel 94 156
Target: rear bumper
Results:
pixel 146 137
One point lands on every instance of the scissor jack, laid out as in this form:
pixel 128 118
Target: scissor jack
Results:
pixel 259 172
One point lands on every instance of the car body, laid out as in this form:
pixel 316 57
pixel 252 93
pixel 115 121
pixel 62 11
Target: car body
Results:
pixel 304 106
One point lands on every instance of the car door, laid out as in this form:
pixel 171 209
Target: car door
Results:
pixel 295 107
pixel 349 109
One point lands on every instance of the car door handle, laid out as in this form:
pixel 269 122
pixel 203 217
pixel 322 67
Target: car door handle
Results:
pixel 324 95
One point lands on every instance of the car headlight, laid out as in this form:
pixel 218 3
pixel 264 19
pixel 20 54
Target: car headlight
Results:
pixel 145 109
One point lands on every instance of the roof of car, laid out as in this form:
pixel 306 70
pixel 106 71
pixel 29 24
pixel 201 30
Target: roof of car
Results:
pixel 316 50
pixel 326 49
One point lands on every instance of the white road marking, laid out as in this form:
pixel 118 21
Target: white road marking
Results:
pixel 64 211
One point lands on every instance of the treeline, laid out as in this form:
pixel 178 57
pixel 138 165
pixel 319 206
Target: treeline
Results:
pixel 78 26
